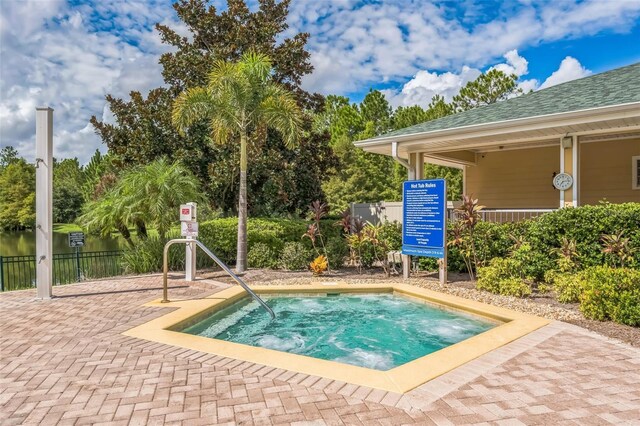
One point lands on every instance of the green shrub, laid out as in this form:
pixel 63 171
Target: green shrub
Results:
pixel 568 287
pixel 367 254
pixel 221 235
pixel 294 257
pixel 514 286
pixel 391 234
pixel 503 276
pixel 428 264
pixel 491 240
pixel 262 255
pixel 337 251
pixel 146 256
pixel 531 264
pixel 586 225
pixel 489 277
pixel 611 293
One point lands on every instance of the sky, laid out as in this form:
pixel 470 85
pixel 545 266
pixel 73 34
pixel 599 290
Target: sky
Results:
pixel 69 54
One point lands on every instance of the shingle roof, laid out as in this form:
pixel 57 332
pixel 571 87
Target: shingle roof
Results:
pixel 615 87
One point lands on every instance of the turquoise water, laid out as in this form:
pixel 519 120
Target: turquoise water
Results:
pixel 378 331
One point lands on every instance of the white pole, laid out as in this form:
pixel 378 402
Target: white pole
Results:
pixel 44 202
pixel 190 261
pixel 190 254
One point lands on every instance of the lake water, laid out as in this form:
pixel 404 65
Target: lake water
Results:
pixel 22 243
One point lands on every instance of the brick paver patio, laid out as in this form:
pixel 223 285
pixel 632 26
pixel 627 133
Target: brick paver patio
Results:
pixel 64 361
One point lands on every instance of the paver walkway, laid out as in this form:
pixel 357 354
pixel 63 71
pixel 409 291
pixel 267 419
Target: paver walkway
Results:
pixel 64 361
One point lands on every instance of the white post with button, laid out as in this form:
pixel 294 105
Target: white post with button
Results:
pixel 189 229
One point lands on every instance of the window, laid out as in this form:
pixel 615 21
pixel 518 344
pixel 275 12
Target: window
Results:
pixel 635 172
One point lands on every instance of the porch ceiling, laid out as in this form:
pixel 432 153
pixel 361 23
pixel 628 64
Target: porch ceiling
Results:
pixel 532 132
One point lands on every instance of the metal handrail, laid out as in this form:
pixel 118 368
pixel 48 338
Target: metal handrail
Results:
pixel 165 270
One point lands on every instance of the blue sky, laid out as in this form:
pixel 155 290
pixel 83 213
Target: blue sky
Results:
pixel 70 54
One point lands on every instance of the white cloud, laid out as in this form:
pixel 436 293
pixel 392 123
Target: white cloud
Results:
pixel 354 46
pixel 425 84
pixel 69 58
pixel 570 69
pixel 515 64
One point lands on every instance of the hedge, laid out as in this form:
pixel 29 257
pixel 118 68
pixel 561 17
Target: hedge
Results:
pixel 585 225
pixel 221 236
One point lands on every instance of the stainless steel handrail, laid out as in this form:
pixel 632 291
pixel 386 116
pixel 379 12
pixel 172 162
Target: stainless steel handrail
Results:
pixel 165 271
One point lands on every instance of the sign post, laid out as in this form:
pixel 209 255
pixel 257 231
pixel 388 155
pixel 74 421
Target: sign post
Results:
pixel 189 229
pixel 76 239
pixel 424 221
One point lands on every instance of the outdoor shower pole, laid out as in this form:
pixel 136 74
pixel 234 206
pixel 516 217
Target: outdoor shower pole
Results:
pixel 44 202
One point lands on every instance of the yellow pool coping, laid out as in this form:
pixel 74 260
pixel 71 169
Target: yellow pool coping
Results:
pixel 400 379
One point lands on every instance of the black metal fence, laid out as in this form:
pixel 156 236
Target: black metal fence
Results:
pixel 19 272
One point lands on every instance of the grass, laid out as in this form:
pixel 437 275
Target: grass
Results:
pixel 65 228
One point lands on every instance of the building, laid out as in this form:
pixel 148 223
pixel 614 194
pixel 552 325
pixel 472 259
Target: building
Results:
pixel 568 145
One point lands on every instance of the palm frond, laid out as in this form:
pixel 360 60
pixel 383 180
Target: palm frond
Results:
pixel 190 107
pixel 221 128
pixel 257 67
pixel 280 112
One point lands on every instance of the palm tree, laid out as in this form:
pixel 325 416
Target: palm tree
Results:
pixel 145 195
pixel 104 215
pixel 240 98
pixel 153 193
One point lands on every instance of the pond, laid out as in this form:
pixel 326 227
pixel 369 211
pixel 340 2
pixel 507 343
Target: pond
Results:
pixel 23 243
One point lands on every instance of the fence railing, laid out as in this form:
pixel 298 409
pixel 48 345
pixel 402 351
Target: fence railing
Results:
pixel 19 272
pixel 506 215
pixel 383 212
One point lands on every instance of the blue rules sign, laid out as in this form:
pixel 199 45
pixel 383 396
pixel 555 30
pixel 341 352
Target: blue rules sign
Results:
pixel 424 213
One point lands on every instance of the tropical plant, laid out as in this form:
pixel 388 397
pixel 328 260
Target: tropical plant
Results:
pixel 567 254
pixel 317 211
pixel 459 239
pixel 345 221
pixel 240 98
pixel 468 215
pixel 93 175
pixel 152 194
pixel 617 248
pixel 372 234
pixel 319 265
pixel 104 215
pixel 145 196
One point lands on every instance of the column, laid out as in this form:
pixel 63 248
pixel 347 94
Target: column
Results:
pixel 569 157
pixel 44 202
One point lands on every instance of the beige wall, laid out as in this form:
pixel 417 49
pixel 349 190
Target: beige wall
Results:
pixel 516 179
pixel 605 171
